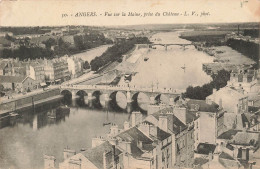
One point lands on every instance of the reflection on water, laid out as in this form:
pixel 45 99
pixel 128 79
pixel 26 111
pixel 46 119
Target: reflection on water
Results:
pixel 24 141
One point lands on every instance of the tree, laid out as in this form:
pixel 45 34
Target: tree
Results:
pixel 49 43
pixel 86 65
pixel 201 92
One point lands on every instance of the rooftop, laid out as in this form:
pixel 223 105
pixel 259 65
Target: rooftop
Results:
pixel 228 134
pixel 246 138
pixel 12 79
pixel 228 93
pixel 172 119
pixel 204 148
pixel 201 105
pixel 95 155
pixel 134 135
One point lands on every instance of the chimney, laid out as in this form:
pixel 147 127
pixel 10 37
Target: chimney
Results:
pixel 128 147
pixel 49 162
pixel 163 122
pixel 97 141
pixel 246 123
pixel 210 156
pixel 114 130
pixel 245 77
pixel 113 156
pixel 144 128
pixel 67 153
pixel 153 130
pixel 126 125
pixel 216 156
pixel 220 103
pixel 136 118
pixel 105 159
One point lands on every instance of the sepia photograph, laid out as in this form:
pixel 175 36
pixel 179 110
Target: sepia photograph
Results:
pixel 127 84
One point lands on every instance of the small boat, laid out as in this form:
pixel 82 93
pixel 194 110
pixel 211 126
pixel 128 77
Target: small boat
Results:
pixel 13 114
pixel 104 124
pixel 183 67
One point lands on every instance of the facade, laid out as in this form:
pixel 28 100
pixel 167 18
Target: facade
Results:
pixel 56 70
pixel 75 66
pixel 182 135
pixel 104 156
pixel 36 71
pixel 230 100
pixel 18 83
pixel 241 145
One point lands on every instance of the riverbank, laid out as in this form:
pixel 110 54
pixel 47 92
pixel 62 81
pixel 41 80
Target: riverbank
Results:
pixel 31 100
pixel 224 58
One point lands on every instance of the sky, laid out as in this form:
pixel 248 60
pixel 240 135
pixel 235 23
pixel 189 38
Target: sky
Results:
pixel 50 12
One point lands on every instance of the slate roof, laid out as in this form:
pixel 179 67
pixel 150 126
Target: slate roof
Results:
pixel 225 156
pixel 204 148
pixel 134 135
pixel 161 135
pixel 246 138
pixel 177 124
pixel 3 65
pixel 228 134
pixel 12 79
pixel 202 105
pixel 95 155
pixel 200 161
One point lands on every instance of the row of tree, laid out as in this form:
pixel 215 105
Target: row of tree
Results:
pixel 201 92
pixel 24 30
pixel 90 40
pixel 29 51
pixel 249 49
pixel 115 52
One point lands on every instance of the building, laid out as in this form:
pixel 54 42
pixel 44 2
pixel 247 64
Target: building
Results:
pixel 145 146
pixel 230 100
pixel 18 83
pixel 75 66
pixel 3 34
pixel 217 161
pixel 3 67
pixel 244 80
pixel 241 145
pixel 103 156
pixel 182 135
pixel 56 70
pixel 35 70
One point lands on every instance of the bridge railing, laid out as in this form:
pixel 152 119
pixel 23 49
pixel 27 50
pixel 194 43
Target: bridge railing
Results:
pixel 123 88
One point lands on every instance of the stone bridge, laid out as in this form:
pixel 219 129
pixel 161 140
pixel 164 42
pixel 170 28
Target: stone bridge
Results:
pixel 104 95
pixel 169 44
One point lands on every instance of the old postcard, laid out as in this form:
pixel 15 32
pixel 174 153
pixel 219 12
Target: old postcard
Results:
pixel 128 84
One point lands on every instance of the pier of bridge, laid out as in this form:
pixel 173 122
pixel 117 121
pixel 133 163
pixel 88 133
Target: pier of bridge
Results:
pixel 91 95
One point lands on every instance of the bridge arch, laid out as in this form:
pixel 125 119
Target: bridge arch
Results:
pixel 81 100
pixel 96 99
pixel 140 101
pixel 67 97
pixel 117 100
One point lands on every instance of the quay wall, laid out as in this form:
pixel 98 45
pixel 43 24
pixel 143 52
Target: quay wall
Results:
pixel 29 100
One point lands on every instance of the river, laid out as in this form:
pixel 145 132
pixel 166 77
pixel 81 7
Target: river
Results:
pixel 23 144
